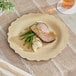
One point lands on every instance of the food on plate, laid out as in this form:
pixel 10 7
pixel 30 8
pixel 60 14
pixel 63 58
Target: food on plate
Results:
pixel 45 42
pixel 37 43
pixel 28 37
pixel 42 31
pixel 37 34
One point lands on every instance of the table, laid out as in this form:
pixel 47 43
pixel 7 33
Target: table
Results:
pixel 62 65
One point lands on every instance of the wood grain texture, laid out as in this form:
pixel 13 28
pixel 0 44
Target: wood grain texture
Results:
pixel 62 65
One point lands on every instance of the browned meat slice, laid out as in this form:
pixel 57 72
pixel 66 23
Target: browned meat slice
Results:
pixel 43 32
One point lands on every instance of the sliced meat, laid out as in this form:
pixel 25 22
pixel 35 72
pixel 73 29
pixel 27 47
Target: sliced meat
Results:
pixel 43 32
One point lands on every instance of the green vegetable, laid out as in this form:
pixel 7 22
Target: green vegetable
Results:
pixel 5 5
pixel 28 37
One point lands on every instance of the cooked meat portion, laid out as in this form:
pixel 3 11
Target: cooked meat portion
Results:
pixel 42 31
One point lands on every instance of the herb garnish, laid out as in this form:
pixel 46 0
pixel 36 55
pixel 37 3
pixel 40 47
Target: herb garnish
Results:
pixel 28 37
pixel 5 5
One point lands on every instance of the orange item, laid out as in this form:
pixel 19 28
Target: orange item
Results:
pixel 68 3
